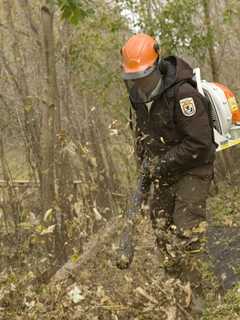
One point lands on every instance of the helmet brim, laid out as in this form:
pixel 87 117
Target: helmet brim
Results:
pixel 140 74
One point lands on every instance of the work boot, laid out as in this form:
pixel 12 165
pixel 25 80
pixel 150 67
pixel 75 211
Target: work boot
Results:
pixel 197 267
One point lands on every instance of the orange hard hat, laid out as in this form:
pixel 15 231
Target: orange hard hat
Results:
pixel 232 102
pixel 139 55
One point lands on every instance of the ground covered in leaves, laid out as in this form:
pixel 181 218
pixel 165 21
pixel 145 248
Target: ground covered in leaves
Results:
pixel 98 290
pixel 90 287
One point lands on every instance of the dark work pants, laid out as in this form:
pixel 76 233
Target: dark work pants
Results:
pixel 178 213
pixel 182 203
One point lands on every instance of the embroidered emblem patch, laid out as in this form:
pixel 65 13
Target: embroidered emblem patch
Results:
pixel 188 107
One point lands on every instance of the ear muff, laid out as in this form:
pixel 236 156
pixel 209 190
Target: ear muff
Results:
pixel 163 66
pixel 156 47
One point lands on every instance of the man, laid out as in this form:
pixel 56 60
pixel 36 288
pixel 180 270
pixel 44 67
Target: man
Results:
pixel 174 131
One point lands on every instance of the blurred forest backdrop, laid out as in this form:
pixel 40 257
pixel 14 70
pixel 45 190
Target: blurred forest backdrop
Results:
pixel 64 114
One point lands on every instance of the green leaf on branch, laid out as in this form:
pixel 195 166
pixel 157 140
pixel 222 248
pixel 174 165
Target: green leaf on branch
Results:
pixel 75 10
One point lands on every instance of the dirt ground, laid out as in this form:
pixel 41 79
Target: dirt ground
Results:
pixel 96 289
pixel 93 288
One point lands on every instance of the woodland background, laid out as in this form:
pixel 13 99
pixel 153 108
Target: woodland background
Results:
pixel 64 119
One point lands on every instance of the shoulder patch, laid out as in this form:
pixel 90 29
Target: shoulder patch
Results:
pixel 188 106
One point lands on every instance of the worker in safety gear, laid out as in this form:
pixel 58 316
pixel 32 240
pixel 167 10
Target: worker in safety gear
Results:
pixel 173 128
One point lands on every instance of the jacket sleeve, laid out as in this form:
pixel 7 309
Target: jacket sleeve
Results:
pixel 196 143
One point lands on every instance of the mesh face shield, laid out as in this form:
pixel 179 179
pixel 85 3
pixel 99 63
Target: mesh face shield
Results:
pixel 141 87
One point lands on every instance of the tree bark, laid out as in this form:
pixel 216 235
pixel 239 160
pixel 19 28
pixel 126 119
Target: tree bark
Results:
pixel 30 127
pixel 12 207
pixel 211 49
pixel 48 116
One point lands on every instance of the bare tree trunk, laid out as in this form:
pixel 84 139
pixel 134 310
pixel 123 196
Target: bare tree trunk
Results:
pixel 48 118
pixel 211 49
pixel 27 11
pixel 12 207
pixel 30 128
pixel 55 159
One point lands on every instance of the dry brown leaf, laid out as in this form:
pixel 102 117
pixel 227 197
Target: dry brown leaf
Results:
pixel 228 221
pixel 171 313
pixel 98 216
pixel 143 293
pixel 187 289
